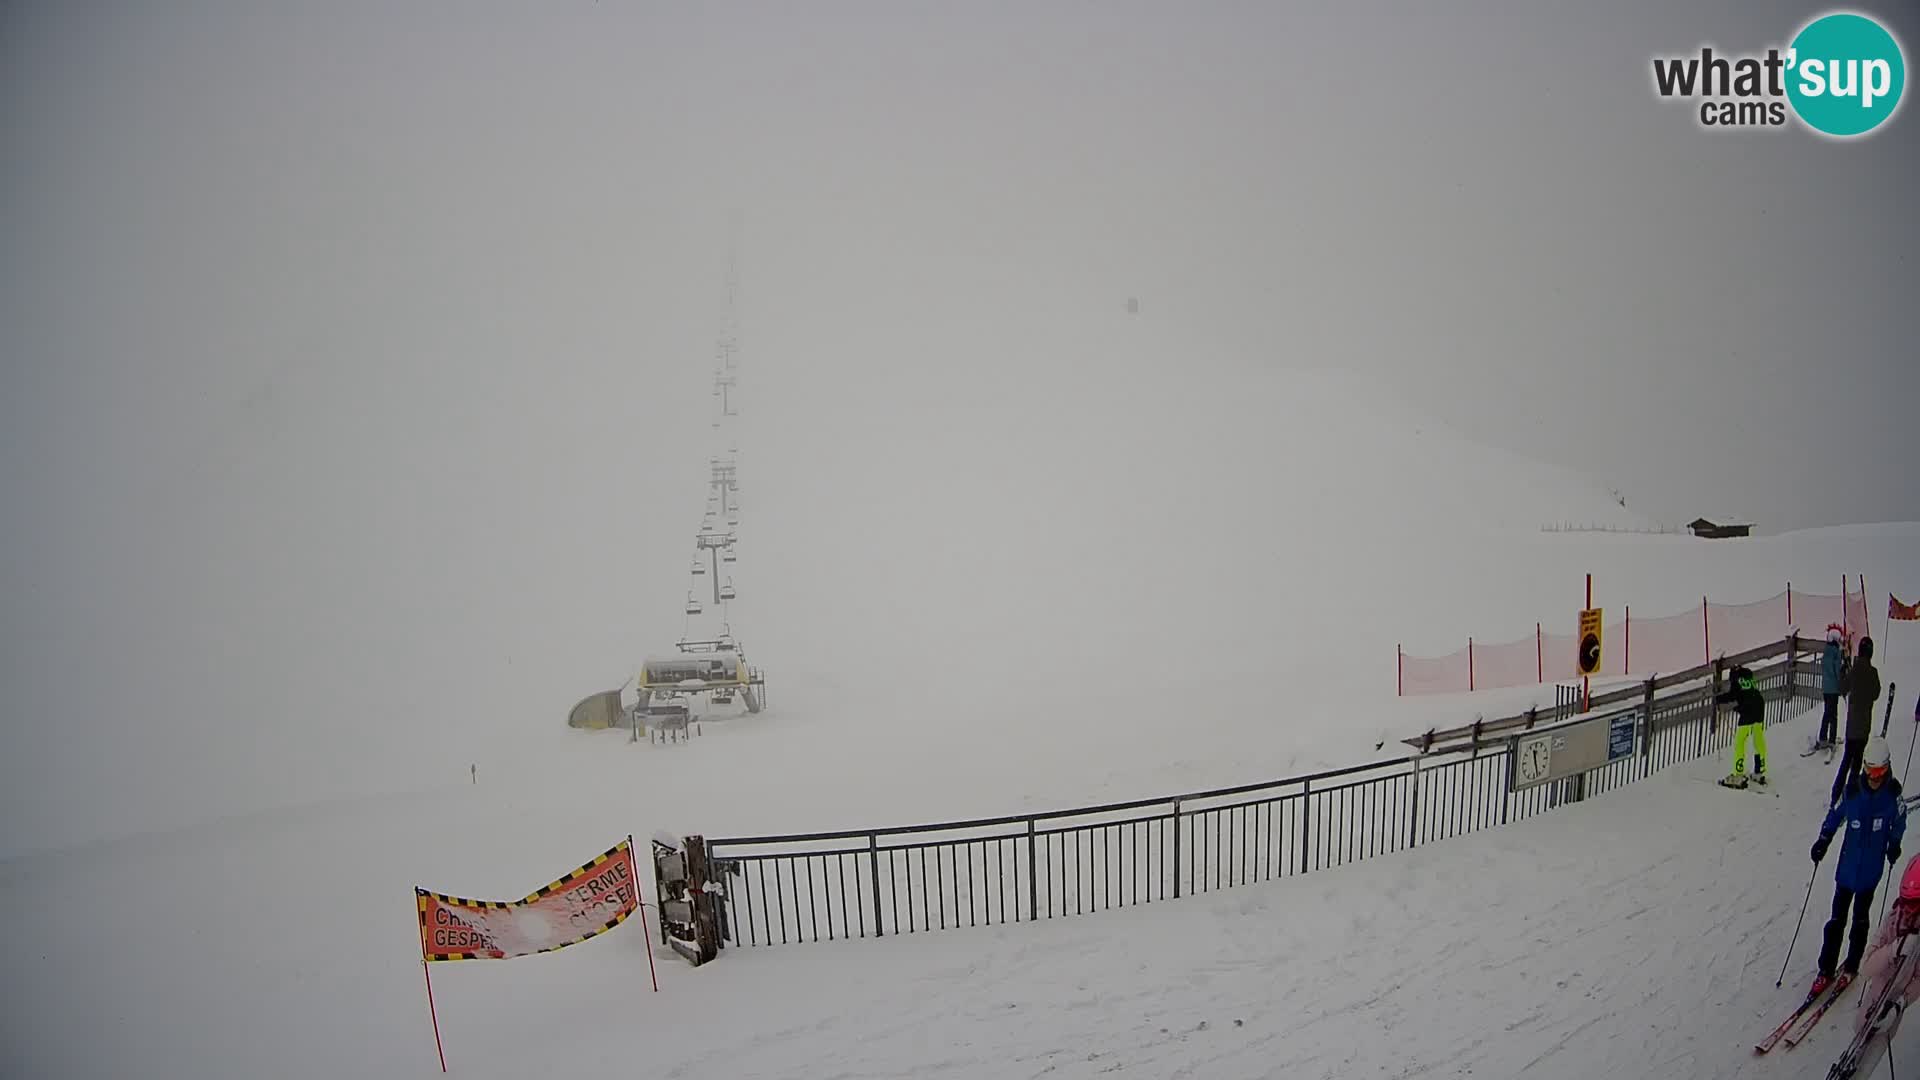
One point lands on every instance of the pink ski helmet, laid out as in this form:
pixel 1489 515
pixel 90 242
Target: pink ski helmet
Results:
pixel 1906 910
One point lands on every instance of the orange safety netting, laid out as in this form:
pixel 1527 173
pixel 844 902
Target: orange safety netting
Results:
pixel 1639 646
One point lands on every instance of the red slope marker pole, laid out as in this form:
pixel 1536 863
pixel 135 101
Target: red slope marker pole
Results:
pixel 1846 614
pixel 648 935
pixel 1706 630
pixel 640 905
pixel 1586 685
pixel 431 1011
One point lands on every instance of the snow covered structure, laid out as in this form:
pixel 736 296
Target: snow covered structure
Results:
pixel 691 915
pixel 1714 530
pixel 601 710
pixel 719 675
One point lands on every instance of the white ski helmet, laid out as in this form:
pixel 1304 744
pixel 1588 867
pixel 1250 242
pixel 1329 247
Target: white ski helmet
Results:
pixel 1876 761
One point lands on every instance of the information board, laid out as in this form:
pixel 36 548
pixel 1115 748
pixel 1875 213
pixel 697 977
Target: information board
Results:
pixel 1568 750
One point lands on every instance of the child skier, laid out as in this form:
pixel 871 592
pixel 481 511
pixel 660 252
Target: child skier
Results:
pixel 1876 819
pixel 1752 705
pixel 1891 976
pixel 1892 965
pixel 1833 673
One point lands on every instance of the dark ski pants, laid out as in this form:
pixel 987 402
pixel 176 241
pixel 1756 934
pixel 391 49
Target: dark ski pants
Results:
pixel 1830 718
pixel 1862 904
pixel 1849 767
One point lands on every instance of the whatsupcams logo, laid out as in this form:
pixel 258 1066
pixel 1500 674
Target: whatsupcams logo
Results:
pixel 1842 76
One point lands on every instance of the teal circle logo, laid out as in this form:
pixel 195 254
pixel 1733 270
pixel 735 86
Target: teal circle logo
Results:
pixel 1845 74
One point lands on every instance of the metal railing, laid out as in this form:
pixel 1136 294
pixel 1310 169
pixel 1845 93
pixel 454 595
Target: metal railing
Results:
pixel 1019 868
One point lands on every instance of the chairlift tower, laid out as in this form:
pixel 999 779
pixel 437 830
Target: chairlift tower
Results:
pixel 710 666
pixel 712 546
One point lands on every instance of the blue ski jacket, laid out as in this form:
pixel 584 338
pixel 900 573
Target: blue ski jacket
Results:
pixel 1830 669
pixel 1875 821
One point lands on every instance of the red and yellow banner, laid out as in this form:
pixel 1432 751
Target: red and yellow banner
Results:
pixel 589 901
pixel 1902 612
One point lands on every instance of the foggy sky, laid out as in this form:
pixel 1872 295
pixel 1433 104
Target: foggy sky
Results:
pixel 280 283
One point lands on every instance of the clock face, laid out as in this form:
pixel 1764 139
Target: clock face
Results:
pixel 1535 755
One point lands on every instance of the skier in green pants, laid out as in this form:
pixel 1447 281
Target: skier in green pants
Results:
pixel 1745 696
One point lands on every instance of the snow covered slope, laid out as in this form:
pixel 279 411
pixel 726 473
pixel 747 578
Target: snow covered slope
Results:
pixel 1637 935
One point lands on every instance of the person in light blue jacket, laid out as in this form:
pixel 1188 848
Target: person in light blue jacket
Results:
pixel 1875 818
pixel 1833 672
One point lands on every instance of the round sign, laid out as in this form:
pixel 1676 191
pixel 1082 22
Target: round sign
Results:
pixel 1589 654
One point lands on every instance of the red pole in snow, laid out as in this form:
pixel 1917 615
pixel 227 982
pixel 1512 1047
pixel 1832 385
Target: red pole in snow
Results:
pixel 1470 664
pixel 1626 666
pixel 1539 659
pixel 1789 605
pixel 1399 671
pixel 640 908
pixel 431 1011
pixel 1706 630
pixel 1866 610
pixel 1586 684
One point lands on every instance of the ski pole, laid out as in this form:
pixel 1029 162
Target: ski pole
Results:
pixel 1777 983
pixel 1892 689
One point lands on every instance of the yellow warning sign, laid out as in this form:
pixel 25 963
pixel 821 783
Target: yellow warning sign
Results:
pixel 1590 641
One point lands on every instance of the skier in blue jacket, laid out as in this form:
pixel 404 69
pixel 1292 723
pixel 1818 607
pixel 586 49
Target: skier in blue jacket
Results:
pixel 1833 672
pixel 1875 820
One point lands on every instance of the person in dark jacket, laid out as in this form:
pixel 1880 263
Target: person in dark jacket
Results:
pixel 1833 668
pixel 1875 820
pixel 1745 696
pixel 1861 684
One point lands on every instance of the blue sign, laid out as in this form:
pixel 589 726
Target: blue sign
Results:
pixel 1620 735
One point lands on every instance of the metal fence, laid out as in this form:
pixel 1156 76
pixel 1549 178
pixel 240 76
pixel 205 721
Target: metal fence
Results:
pixel 925 878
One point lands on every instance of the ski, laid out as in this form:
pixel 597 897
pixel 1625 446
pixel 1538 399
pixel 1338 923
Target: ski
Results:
pixel 1862 1053
pixel 1774 1036
pixel 1764 789
pixel 1855 1056
pixel 1812 1018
